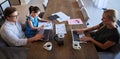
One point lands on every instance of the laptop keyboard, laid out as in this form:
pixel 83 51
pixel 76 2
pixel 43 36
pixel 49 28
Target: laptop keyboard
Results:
pixel 47 34
pixel 75 36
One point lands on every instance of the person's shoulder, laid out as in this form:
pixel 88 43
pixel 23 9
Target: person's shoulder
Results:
pixel 29 18
pixel 6 24
pixel 4 27
pixel 115 30
pixel 101 24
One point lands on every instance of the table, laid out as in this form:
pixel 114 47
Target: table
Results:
pixel 87 51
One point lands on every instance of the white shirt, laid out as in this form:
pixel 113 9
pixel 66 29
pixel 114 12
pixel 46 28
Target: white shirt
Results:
pixel 12 33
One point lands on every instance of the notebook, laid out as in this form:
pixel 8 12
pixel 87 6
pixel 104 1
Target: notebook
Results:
pixel 75 21
pixel 76 36
pixel 48 34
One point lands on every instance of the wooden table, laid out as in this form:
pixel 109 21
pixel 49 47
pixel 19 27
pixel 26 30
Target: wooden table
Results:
pixel 87 51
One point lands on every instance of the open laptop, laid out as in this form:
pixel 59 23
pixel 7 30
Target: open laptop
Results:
pixel 76 36
pixel 48 34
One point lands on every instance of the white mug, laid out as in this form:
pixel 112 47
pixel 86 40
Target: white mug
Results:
pixel 48 46
pixel 61 36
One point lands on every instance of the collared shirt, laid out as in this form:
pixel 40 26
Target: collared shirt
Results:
pixel 12 33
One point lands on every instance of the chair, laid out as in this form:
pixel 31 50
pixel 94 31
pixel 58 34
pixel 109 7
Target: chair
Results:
pixel 80 3
pixel 2 43
pixel 118 27
pixel 84 13
pixel 14 53
pixel 105 55
pixel 45 3
pixel 41 14
pixel 117 56
pixel 114 54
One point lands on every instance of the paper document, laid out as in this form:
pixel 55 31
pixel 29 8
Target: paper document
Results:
pixel 74 21
pixel 60 29
pixel 47 25
pixel 62 16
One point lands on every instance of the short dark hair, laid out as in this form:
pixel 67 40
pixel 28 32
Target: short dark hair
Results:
pixel 8 11
pixel 34 8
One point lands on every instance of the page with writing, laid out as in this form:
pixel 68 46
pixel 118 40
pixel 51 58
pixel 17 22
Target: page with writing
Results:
pixel 60 29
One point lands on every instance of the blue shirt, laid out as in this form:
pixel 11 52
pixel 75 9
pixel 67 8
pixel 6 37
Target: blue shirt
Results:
pixel 29 32
pixel 12 33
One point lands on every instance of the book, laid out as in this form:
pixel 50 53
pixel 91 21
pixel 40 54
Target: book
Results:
pixel 75 21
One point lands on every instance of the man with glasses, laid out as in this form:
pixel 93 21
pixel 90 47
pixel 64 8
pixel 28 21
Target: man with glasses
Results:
pixel 11 30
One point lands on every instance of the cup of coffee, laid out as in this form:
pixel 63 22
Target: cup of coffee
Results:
pixel 48 46
pixel 59 38
pixel 60 35
pixel 60 42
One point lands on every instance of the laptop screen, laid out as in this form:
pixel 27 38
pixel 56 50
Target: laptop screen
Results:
pixel 47 34
pixel 75 36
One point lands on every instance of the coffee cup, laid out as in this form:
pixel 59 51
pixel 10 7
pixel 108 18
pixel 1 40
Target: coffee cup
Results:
pixel 60 42
pixel 48 46
pixel 59 38
pixel 60 35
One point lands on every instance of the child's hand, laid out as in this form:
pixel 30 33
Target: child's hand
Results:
pixel 40 27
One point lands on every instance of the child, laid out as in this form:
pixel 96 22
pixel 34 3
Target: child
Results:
pixel 32 21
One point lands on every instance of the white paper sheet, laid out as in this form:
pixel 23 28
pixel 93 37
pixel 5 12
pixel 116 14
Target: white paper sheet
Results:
pixel 60 29
pixel 62 16
pixel 47 25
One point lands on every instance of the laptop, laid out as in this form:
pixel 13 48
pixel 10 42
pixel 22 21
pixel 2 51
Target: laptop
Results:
pixel 76 36
pixel 53 17
pixel 48 34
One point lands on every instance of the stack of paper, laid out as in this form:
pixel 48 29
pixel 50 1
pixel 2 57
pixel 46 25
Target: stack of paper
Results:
pixel 74 21
pixel 62 16
pixel 60 29
pixel 47 25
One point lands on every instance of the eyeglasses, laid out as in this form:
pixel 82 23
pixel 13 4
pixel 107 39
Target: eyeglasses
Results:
pixel 14 16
